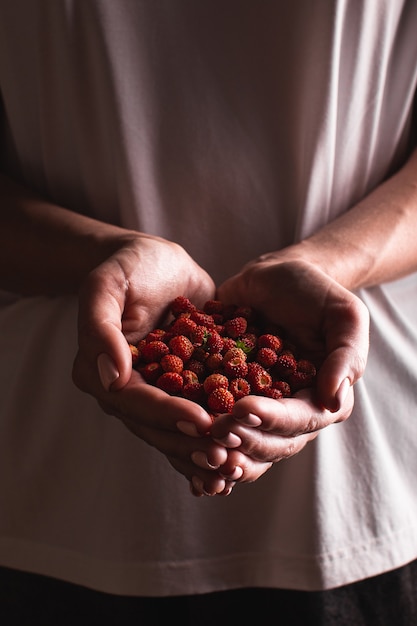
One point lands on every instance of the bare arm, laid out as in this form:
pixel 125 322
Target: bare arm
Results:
pixel 46 249
pixel 375 241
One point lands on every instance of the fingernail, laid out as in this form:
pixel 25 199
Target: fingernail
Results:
pixel 107 370
pixel 250 420
pixel 230 441
pixel 188 428
pixel 198 485
pixel 235 475
pixel 342 393
pixel 200 459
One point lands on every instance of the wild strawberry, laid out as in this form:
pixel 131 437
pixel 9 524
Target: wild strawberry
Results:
pixel 154 351
pixel 200 354
pixel 214 362
pixel 259 380
pixel 266 357
pixel 181 304
pixel 156 335
pixel 303 375
pixel 197 367
pixel 181 346
pixel 171 382
pixel 199 335
pixel 202 319
pixel 234 353
pixel 134 352
pixel 194 392
pixel 189 377
pixel 183 325
pixel 220 401
pixel 270 341
pixel 172 363
pixel 214 342
pixel 247 342
pixel 245 311
pixel 214 381
pixel 228 344
pixel 139 346
pixel 271 392
pixel 239 387
pixel 235 367
pixel 150 372
pixel 286 364
pixel 283 387
pixel 254 368
pixel 236 327
pixel 213 306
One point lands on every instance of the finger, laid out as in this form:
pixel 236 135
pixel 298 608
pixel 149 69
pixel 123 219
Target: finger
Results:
pixel 202 483
pixel 241 468
pixel 347 343
pixel 148 406
pixel 287 417
pixel 101 341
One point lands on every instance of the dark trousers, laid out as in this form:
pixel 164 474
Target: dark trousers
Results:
pixel 386 600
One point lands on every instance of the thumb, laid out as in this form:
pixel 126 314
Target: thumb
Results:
pixel 348 345
pixel 104 357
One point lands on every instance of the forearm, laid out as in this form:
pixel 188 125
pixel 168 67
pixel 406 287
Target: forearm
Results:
pixel 46 249
pixel 375 241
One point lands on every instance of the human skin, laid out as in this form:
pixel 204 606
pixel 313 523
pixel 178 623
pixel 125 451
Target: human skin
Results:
pixel 112 268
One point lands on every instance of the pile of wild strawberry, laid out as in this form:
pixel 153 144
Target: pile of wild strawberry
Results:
pixel 219 354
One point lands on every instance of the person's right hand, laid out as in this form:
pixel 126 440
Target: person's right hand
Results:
pixel 120 301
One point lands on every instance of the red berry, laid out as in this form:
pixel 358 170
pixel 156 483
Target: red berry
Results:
pixel 199 335
pixel 245 311
pixel 270 341
pixel 214 381
pixel 172 363
pixel 198 367
pixel 156 335
pixel 181 304
pixel 239 387
pixel 286 363
pixel 267 357
pixel 190 377
pixel 214 342
pixel 154 351
pixel 202 319
pixel 220 401
pixel 247 342
pixel 259 380
pixel 150 372
pixel 183 325
pixel 171 382
pixel 236 367
pixel 181 346
pixel 214 362
pixel 134 352
pixel 228 344
pixel 303 375
pixel 236 327
pixel 271 392
pixel 213 306
pixel 234 353
pixel 194 392
pixel 283 387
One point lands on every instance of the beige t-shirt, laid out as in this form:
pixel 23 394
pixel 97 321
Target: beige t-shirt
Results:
pixel 233 128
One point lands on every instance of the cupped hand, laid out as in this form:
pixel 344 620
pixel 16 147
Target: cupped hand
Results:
pixel 330 325
pixel 120 301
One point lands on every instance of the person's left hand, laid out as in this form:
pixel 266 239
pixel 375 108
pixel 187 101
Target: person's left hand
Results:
pixel 330 325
